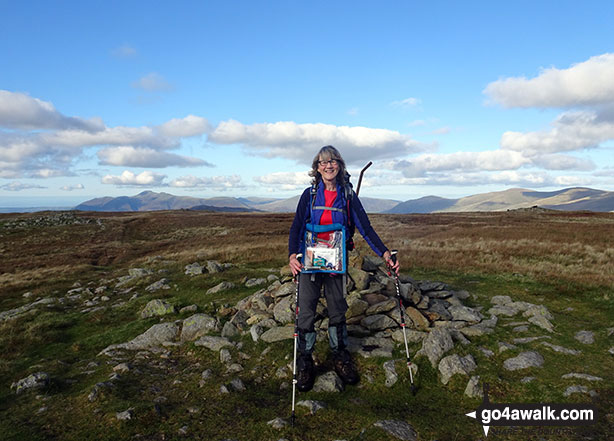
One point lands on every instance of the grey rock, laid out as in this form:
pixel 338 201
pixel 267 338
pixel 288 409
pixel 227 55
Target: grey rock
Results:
pixel 194 269
pixel 256 331
pixel 503 346
pixel 123 368
pixel 229 330
pixel 198 325
pixel 278 333
pixel 214 267
pixel 538 311
pixel 213 342
pixel 585 337
pixel 225 356
pixel 139 272
pixel 312 405
pixel 521 328
pixel 237 385
pixel 579 390
pixel 125 415
pixel 38 380
pixel 463 313
pixel 455 364
pixel 426 286
pixel 378 322
pixel 391 373
pixel 541 322
pixel 360 278
pixel 224 286
pixel 398 429
pixel 413 336
pixel 156 286
pixel 500 300
pixel 526 380
pixel 524 340
pixel 155 336
pixel 582 377
pixel 328 382
pixel 524 360
pixel 234 368
pixel 561 349
pixel 417 318
pixel 157 308
pixel 278 423
pixel 284 290
pixel 382 307
pixel 255 282
pixel 504 310
pixel 476 330
pixel 487 352
pixel 437 343
pixel 283 310
pixel 473 389
pixel 611 350
pixel 372 263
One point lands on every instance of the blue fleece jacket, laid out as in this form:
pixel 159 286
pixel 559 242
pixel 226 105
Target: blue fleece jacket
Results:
pixel 357 213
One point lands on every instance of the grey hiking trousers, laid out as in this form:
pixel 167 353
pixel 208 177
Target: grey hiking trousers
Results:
pixel 308 297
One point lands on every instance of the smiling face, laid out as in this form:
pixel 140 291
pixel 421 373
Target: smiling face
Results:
pixel 329 169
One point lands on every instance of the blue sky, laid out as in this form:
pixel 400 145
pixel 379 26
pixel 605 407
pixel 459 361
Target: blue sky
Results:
pixel 234 98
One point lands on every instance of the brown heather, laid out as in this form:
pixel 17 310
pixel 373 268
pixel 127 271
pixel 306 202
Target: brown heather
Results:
pixel 569 246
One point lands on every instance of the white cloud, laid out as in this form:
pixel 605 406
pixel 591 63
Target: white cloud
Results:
pixel 146 157
pixel 185 127
pixel 461 161
pixel 570 131
pixel 153 82
pixel 19 186
pixel 72 187
pixel 300 142
pixel 20 111
pixel 285 180
pixel 219 183
pixel 407 102
pixel 441 131
pixel 128 178
pixel 588 83
pixel 563 162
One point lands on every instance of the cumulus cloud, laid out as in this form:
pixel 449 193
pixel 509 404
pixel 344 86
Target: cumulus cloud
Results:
pixel 219 183
pixel 189 126
pixel 146 157
pixel 574 130
pixel 299 142
pixel 72 187
pixel 563 162
pixel 461 161
pixel 20 111
pixel 19 186
pixel 285 180
pixel 128 178
pixel 587 83
pixel 153 82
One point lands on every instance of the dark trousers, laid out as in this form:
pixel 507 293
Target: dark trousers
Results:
pixel 310 288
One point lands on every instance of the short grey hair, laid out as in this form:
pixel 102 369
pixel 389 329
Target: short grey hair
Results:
pixel 326 153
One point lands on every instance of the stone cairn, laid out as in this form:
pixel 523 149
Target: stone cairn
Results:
pixel 435 314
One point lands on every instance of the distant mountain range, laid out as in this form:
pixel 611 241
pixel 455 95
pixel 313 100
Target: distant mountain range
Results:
pixel 517 198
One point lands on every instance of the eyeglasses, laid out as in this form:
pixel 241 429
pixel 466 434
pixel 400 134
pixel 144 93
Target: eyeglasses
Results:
pixel 329 162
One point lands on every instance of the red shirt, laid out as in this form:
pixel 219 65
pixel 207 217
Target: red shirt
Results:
pixel 327 216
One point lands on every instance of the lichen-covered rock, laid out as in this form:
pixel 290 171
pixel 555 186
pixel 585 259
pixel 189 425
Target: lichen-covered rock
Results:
pixel 524 360
pixel 157 308
pixel 438 342
pixel 38 380
pixel 198 325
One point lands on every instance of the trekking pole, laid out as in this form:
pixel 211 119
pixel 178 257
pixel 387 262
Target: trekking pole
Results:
pixel 294 380
pixel 362 172
pixel 391 272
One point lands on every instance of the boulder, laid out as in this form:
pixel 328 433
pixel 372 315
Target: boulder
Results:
pixel 455 364
pixel 524 360
pixel 38 380
pixel 198 325
pixel 157 308
pixel 378 322
pixel 328 382
pixel 399 429
pixel 278 333
pixel 224 286
pixel 155 336
pixel 437 343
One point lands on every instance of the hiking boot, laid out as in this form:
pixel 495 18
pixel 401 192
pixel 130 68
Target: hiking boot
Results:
pixel 305 373
pixel 344 366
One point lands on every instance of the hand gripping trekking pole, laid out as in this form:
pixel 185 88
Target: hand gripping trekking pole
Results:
pixel 392 272
pixel 294 380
